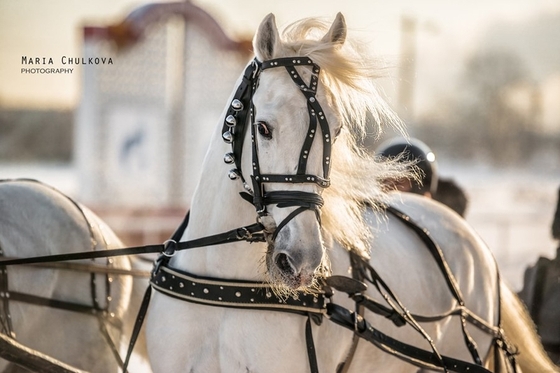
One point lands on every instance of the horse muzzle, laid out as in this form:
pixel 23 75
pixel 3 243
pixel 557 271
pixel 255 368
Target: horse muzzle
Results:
pixel 293 262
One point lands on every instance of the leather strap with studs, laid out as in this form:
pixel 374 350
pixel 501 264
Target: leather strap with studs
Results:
pixel 233 293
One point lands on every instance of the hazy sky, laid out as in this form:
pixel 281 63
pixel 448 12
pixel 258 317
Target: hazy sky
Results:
pixel 52 28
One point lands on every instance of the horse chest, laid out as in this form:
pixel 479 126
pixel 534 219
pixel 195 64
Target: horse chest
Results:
pixel 216 339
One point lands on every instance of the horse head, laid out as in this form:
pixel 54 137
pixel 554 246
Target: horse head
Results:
pixel 290 142
pixel 302 92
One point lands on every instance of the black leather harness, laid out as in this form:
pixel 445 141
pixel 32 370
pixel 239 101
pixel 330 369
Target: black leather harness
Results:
pixel 313 306
pixel 251 295
pixel 242 294
pixel 242 112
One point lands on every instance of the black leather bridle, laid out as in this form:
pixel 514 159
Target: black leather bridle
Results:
pixel 242 112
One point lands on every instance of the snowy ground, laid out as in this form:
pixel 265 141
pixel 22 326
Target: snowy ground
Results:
pixel 512 210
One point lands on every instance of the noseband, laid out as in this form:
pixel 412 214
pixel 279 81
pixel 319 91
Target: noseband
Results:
pixel 242 111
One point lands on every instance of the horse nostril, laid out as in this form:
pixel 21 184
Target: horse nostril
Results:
pixel 283 262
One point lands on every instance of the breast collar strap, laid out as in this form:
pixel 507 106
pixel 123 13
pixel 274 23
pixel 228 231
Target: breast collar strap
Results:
pixel 233 293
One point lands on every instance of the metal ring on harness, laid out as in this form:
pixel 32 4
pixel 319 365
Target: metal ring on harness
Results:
pixel 170 248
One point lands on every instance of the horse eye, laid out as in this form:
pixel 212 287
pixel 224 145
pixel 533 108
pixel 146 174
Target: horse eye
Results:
pixel 264 131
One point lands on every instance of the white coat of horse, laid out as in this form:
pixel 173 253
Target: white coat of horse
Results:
pixel 189 337
pixel 37 220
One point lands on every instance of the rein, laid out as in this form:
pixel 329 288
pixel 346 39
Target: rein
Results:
pixel 248 233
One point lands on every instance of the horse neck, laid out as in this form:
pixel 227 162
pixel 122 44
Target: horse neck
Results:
pixel 217 207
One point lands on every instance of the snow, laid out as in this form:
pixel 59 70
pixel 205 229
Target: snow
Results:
pixel 512 210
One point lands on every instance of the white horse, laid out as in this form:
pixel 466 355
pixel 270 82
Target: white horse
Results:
pixel 306 242
pixel 84 328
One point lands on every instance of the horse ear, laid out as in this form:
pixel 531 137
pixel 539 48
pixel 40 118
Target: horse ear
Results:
pixel 337 33
pixel 266 39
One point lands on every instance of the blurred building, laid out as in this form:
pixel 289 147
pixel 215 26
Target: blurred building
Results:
pixel 150 101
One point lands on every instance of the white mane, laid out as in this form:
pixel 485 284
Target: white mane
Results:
pixel 347 76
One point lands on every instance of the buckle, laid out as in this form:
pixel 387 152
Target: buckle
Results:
pixel 243 234
pixel 169 249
